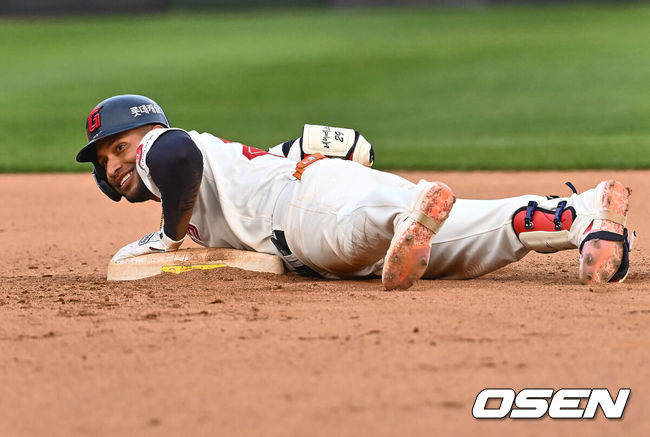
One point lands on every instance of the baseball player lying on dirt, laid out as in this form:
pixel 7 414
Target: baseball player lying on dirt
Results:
pixel 335 218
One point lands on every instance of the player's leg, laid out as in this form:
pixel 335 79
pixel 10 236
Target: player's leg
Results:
pixel 341 217
pixel 597 230
pixel 477 238
pixel 481 236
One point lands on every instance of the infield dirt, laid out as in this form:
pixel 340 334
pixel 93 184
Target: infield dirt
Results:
pixel 228 352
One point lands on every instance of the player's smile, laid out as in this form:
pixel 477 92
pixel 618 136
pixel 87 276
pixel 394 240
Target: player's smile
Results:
pixel 125 181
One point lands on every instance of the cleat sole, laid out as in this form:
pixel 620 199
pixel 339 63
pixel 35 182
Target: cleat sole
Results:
pixel 408 255
pixel 600 259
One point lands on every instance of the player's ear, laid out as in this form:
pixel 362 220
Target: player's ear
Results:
pixel 150 127
pixel 143 130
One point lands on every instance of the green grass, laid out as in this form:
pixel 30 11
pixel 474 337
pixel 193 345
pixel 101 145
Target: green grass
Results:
pixel 502 88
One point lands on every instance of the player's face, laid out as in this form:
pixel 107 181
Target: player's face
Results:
pixel 117 155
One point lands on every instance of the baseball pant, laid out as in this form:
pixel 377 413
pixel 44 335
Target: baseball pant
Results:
pixel 339 220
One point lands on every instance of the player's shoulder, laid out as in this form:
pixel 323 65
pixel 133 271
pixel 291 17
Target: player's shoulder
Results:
pixel 146 144
pixel 207 137
pixel 152 137
pixel 154 134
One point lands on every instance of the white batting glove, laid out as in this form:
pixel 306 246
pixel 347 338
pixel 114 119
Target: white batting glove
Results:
pixel 152 243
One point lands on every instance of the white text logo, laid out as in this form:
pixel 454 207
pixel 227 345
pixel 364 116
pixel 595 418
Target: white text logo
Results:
pixel 534 403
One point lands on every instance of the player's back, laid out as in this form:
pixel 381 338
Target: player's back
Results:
pixel 238 193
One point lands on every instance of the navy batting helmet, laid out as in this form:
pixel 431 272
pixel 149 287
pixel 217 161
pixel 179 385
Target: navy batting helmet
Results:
pixel 112 116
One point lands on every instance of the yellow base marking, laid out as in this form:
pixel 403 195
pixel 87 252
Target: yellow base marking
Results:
pixel 181 269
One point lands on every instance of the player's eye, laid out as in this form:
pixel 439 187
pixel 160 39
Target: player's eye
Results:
pixel 120 147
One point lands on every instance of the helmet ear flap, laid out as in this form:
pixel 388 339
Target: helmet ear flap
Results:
pixel 100 179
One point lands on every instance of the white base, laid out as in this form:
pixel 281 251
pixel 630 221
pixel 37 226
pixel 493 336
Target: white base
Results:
pixel 145 266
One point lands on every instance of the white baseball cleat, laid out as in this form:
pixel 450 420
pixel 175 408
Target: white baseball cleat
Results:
pixel 408 255
pixel 604 250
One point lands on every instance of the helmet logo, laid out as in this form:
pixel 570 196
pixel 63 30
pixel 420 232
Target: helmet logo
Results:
pixel 94 120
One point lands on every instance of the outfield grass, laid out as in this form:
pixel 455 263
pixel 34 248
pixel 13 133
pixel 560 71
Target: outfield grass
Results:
pixel 502 88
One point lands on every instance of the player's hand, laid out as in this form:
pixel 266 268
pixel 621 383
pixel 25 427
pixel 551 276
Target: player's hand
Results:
pixel 151 243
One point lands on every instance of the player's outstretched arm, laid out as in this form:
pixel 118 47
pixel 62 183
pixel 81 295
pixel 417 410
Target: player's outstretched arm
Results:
pixel 176 167
pixel 333 142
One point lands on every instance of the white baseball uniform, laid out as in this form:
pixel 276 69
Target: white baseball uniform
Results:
pixel 339 218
